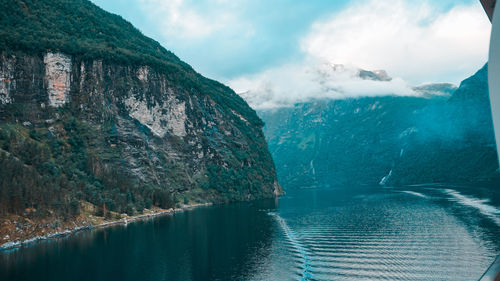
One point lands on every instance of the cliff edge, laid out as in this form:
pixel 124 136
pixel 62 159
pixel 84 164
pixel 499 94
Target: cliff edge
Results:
pixel 98 120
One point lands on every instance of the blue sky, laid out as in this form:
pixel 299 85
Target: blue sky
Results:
pixel 230 40
pixel 275 27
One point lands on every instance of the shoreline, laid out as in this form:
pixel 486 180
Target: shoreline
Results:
pixel 16 244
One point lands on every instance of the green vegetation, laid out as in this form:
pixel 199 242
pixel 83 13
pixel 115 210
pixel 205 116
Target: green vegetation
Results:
pixel 359 141
pixel 54 161
pixel 52 172
pixel 77 27
pixel 338 142
pixel 51 168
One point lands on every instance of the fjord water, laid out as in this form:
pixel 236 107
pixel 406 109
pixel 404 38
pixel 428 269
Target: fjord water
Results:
pixel 368 233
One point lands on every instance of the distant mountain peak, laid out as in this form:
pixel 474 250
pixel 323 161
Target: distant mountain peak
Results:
pixel 302 83
pixel 329 69
pixel 376 75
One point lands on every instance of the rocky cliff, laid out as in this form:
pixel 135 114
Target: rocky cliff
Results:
pixel 86 131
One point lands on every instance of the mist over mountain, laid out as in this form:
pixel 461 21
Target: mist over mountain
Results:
pixel 452 142
pixel 439 133
pixel 289 85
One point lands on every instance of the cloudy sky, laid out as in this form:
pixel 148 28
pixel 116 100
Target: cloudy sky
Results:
pixel 241 42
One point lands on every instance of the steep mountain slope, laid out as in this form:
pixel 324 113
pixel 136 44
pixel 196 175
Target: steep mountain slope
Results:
pixel 96 118
pixel 338 142
pixel 453 141
pixel 442 135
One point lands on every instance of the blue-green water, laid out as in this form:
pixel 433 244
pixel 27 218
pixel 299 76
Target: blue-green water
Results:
pixel 418 233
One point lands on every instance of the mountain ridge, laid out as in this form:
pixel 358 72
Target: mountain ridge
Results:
pixel 442 135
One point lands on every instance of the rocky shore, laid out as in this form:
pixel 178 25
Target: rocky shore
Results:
pixel 88 224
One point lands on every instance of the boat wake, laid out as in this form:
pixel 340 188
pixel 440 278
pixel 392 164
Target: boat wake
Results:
pixel 344 244
pixel 414 193
pixel 297 247
pixel 479 204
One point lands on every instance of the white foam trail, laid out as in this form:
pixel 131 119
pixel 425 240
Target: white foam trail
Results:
pixel 479 204
pixel 414 193
pixel 291 237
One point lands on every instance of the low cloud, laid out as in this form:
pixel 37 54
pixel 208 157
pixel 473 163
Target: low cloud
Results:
pixel 290 84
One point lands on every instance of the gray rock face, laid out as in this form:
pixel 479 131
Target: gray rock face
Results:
pixel 155 130
pixel 57 77
pixel 376 75
pixel 171 118
pixel 6 80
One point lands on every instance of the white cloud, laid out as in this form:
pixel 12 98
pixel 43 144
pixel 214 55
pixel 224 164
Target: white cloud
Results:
pixel 409 40
pixel 182 19
pixel 176 18
pixel 412 40
pixel 295 83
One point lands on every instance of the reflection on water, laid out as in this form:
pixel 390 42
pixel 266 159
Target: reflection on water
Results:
pixel 417 233
pixel 218 243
